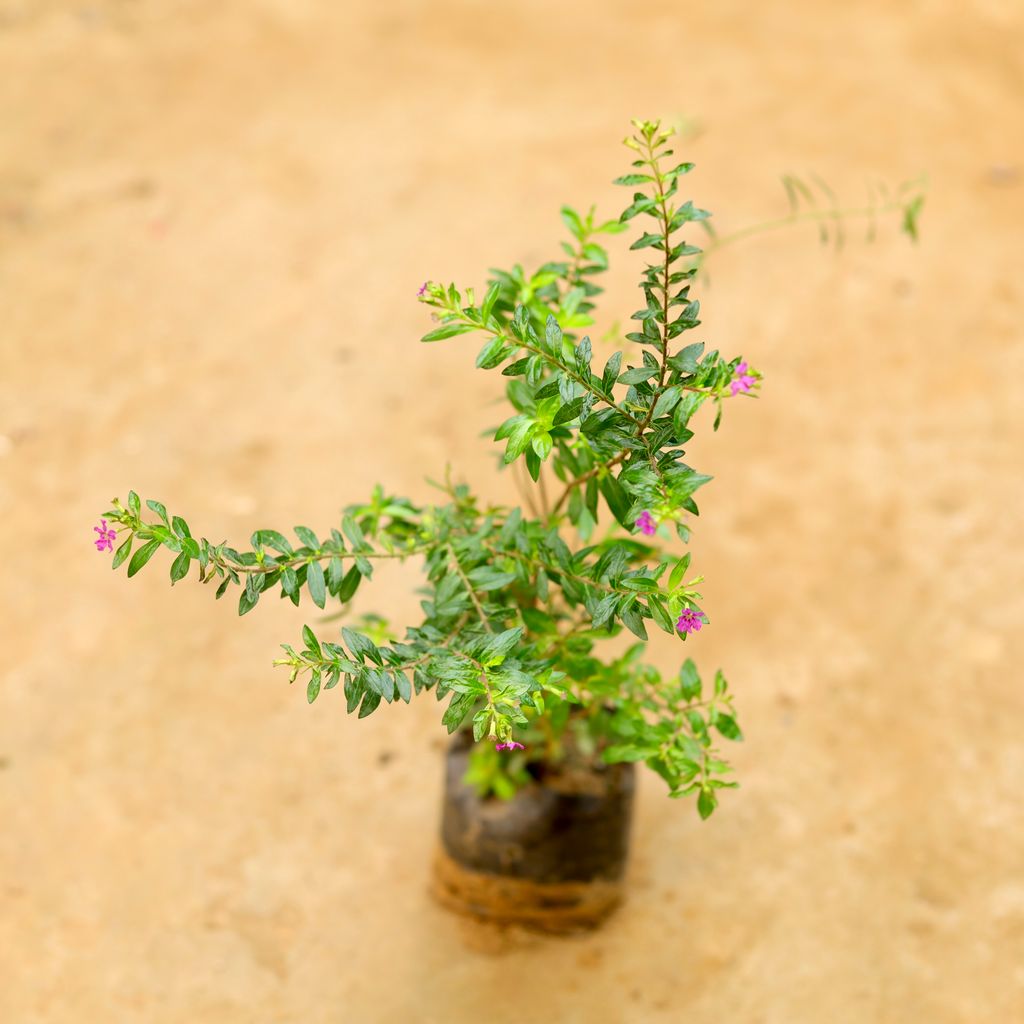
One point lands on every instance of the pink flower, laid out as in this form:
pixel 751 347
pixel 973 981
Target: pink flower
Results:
pixel 742 381
pixel 690 620
pixel 423 290
pixel 646 524
pixel 511 745
pixel 105 541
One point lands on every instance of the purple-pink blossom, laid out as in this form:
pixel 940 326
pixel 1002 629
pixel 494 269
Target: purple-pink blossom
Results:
pixel 646 524
pixel 742 381
pixel 106 538
pixel 423 290
pixel 511 745
pixel 690 620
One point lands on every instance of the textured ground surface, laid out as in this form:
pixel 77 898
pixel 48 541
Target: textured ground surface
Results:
pixel 213 218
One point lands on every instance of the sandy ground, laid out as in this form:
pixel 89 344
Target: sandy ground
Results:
pixel 213 218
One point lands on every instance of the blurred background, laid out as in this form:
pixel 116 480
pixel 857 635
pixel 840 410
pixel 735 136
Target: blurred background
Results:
pixel 213 222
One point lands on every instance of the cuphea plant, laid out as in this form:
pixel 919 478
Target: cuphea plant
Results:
pixel 517 601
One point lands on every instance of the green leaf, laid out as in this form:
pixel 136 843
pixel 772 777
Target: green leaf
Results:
pixel 685 360
pixel 361 646
pixel 689 681
pixel 289 581
pixel 349 584
pixel 311 642
pixel 315 582
pixel 313 687
pixel 272 539
pixel 335 573
pixel 604 610
pixel 404 686
pixel 638 375
pixel 633 621
pixel 646 240
pixel 728 726
pixel 247 599
pixel 532 464
pixel 632 179
pixel 381 682
pixel 179 567
pixel 627 752
pixel 615 495
pixel 706 803
pixel 308 537
pixel 542 444
pixel 489 300
pixel 497 647
pixel 569 411
pixel 142 556
pixel 371 700
pixel 667 401
pixel 911 212
pixel 159 510
pixel 457 710
pixel 134 505
pixel 447 331
pixel 122 552
pixel 720 684
pixel 660 614
pixel 679 571
pixel 573 222
pixel 488 578
pixel 481 721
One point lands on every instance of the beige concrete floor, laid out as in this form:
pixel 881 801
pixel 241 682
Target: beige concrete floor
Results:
pixel 213 218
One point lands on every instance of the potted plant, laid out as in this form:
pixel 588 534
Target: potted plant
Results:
pixel 546 729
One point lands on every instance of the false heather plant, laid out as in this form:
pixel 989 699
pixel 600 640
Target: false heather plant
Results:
pixel 518 601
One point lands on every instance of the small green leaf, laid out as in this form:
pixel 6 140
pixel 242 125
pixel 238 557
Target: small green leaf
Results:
pixel 335 572
pixel 142 556
pixel 313 687
pixel 361 646
pixel 632 179
pixel 122 552
pixel 371 700
pixel 247 599
pixel 404 686
pixel 271 539
pixel 308 537
pixel 679 571
pixel 573 222
pixel 311 642
pixel 542 444
pixel 349 584
pixel 618 500
pixel 179 567
pixel 638 375
pixel 315 582
pixel 497 647
pixel 728 726
pixel 159 510
pixel 489 300
pixel 689 681
pixel 457 710
pixel 488 578
pixel 569 411
pixel 447 331
pixel 706 803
